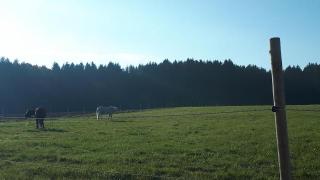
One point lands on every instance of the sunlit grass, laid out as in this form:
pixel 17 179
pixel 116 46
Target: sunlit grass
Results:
pixel 158 143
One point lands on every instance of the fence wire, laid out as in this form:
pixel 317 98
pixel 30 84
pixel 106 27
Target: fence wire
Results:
pixel 91 116
pixel 195 114
pixel 304 110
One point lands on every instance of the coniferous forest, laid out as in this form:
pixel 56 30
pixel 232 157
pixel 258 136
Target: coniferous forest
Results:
pixel 82 87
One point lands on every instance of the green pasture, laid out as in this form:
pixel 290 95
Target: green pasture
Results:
pixel 171 143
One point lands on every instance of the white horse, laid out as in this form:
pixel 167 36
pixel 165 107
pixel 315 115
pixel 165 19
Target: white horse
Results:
pixel 105 110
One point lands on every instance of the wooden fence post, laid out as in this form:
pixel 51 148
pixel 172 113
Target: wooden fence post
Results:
pixel 279 109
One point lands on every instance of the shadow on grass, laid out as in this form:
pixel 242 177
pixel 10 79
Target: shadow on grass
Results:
pixel 47 130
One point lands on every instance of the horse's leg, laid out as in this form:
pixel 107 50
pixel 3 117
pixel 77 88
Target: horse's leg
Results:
pixel 42 123
pixel 97 116
pixel 37 123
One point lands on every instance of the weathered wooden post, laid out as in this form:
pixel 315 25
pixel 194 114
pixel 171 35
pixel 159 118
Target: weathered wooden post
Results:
pixel 279 109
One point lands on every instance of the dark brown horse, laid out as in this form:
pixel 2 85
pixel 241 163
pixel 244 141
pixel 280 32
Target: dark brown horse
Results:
pixel 39 113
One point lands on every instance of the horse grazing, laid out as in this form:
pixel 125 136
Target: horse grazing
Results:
pixel 39 113
pixel 106 110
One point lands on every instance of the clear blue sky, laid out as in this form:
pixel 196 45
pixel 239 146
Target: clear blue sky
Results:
pixel 138 31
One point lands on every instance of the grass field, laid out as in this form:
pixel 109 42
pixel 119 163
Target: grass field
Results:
pixel 186 143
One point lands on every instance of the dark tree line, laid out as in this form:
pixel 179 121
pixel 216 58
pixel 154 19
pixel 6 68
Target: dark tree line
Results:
pixel 78 87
